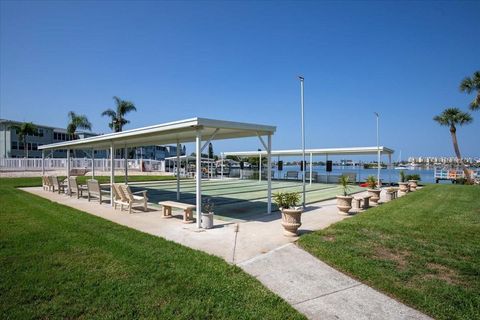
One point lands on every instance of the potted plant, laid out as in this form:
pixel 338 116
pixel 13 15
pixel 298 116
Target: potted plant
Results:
pixel 403 184
pixel 344 202
pixel 207 213
pixel 291 214
pixel 373 191
pixel 413 181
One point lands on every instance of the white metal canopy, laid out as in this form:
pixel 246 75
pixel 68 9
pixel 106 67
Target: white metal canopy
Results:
pixel 182 131
pixel 167 133
pixel 325 151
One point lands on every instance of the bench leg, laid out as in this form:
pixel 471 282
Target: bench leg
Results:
pixel 366 203
pixel 188 216
pixel 167 212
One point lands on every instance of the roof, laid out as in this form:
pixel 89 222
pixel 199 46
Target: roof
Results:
pixel 166 133
pixel 41 126
pixel 329 151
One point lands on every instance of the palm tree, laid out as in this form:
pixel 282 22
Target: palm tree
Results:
pixel 118 116
pixel 77 121
pixel 453 117
pixel 23 130
pixel 472 84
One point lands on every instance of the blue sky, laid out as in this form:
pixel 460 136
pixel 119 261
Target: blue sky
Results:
pixel 240 60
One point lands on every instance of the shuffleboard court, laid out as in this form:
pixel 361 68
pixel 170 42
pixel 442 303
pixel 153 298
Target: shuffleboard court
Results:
pixel 237 199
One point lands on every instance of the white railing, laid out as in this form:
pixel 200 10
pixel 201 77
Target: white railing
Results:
pixel 453 173
pixel 23 164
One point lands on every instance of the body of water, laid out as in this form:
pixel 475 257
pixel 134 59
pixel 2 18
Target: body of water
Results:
pixel 386 175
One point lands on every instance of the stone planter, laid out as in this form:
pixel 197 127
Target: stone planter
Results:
pixel 207 220
pixel 404 187
pixel 344 204
pixel 413 185
pixel 391 195
pixel 375 193
pixel 291 221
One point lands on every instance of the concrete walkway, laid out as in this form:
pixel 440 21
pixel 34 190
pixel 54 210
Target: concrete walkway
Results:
pixel 259 247
pixel 321 292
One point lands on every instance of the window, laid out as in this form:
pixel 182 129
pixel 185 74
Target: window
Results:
pixel 14 145
pixel 40 132
pixel 34 146
pixel 21 146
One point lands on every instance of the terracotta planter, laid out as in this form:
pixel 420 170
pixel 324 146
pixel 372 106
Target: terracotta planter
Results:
pixel 404 187
pixel 291 221
pixel 344 204
pixel 375 193
pixel 413 185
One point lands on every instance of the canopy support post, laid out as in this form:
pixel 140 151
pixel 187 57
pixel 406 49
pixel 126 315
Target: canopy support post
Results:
pixel 198 176
pixel 311 160
pixel 68 171
pixel 209 140
pixel 269 174
pixel 390 168
pixel 126 165
pixel 112 171
pixel 43 162
pixel 178 170
pixel 221 166
pixel 260 167
pixel 93 163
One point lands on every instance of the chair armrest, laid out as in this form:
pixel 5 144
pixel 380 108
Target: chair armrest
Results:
pixel 142 191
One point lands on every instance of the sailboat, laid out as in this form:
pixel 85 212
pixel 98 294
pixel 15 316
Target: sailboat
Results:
pixel 401 166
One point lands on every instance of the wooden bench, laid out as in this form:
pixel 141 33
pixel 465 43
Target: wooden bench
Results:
pixel 366 202
pixel 187 210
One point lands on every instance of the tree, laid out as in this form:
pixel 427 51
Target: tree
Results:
pixel 470 85
pixel 118 116
pixel 77 121
pixel 453 117
pixel 210 150
pixel 23 130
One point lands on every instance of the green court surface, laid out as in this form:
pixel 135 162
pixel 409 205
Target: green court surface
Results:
pixel 236 199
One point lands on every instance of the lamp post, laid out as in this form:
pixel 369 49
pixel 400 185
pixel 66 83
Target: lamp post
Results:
pixel 378 150
pixel 303 140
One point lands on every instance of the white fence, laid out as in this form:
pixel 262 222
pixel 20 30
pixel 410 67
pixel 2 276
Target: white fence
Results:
pixel 23 164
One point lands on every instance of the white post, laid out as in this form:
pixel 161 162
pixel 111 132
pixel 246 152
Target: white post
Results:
pixel 68 171
pixel 43 162
pixel 303 141
pixel 260 168
pixel 198 177
pixel 126 165
pixel 378 152
pixel 311 160
pixel 390 168
pixel 112 171
pixel 221 166
pixel 269 173
pixel 93 163
pixel 178 170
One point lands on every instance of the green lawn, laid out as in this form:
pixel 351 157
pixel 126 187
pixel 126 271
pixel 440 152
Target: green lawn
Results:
pixel 58 262
pixel 422 249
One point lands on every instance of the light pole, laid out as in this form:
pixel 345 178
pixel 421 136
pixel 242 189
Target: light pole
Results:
pixel 378 151
pixel 303 140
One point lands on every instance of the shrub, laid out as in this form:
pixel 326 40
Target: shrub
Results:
pixel 344 181
pixel 412 177
pixel 372 182
pixel 286 200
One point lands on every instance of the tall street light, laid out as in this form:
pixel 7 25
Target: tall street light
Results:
pixel 378 150
pixel 303 140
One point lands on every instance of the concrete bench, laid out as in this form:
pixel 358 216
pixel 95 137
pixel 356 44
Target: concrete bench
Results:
pixel 187 210
pixel 365 200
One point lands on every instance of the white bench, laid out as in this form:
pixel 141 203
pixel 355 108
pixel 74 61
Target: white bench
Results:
pixel 187 210
pixel 366 202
